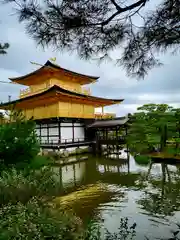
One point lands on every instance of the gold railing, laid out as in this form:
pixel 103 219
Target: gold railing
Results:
pixel 25 92
pixel 28 92
pixel 86 91
pixel 105 115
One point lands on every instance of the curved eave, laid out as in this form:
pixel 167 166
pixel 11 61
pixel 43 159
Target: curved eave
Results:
pixel 57 89
pixel 50 64
pixel 87 78
pixel 17 79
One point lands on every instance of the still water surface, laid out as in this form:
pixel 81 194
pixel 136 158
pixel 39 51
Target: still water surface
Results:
pixel 107 190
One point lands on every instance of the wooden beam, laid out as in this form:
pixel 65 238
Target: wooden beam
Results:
pixel 59 130
pixel 48 132
pixel 73 131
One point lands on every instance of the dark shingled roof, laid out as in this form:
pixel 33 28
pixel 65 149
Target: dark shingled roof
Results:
pixel 109 123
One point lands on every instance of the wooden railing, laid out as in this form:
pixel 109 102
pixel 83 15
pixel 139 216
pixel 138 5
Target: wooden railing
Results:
pixel 28 92
pixel 63 141
pixel 105 115
pixel 118 138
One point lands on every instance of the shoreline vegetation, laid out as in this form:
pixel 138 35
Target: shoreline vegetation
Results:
pixel 154 132
pixel 28 184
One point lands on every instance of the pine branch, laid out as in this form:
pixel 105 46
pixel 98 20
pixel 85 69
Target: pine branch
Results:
pixel 94 28
pixel 3 48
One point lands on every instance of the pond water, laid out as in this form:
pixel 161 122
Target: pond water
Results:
pixel 107 190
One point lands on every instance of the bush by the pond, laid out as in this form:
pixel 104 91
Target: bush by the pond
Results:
pixel 34 220
pixel 142 159
pixel 18 143
pixel 39 161
pixel 26 185
pixel 21 186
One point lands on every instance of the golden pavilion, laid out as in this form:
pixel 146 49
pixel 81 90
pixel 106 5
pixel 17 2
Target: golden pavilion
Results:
pixel 58 102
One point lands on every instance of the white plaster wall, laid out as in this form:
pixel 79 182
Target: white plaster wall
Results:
pixel 44 139
pixel 53 125
pixel 37 132
pixel 43 131
pixel 44 125
pixel 77 124
pixel 66 133
pixel 79 133
pixel 53 131
pixel 54 139
pixel 66 124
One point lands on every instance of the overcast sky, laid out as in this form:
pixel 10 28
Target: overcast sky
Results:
pixel 162 85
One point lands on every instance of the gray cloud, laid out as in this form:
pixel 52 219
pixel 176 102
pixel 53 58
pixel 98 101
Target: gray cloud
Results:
pixel 161 85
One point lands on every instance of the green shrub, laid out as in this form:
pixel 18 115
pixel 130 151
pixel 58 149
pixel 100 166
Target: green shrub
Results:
pixel 22 186
pixel 18 143
pixel 142 159
pixel 171 150
pixel 38 162
pixel 34 220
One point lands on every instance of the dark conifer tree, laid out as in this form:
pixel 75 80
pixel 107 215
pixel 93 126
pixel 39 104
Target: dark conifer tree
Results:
pixel 94 28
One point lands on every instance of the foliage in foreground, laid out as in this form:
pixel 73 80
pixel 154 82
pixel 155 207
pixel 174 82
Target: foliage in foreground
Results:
pixel 26 209
pixel 20 186
pixel 18 141
pixel 34 220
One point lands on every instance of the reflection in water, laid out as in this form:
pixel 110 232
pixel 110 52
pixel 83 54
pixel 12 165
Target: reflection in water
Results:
pixel 108 190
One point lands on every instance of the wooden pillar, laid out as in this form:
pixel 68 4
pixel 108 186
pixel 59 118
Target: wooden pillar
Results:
pixel 40 133
pixel 59 130
pixel 102 110
pixel 116 133
pixel 60 177
pixel 74 174
pixel 106 133
pixel 47 132
pixel 128 163
pixel 126 139
pixel 73 131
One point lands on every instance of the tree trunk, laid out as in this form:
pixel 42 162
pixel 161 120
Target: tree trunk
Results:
pixel 163 137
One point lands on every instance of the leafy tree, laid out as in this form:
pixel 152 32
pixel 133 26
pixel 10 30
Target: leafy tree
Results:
pixel 1 117
pixel 18 141
pixel 94 28
pixel 152 127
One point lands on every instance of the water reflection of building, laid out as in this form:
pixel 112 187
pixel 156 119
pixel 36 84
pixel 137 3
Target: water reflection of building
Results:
pixel 70 175
pixel 107 190
pixel 90 183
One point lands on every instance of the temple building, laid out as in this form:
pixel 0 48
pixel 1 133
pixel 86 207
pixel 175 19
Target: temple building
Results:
pixel 59 103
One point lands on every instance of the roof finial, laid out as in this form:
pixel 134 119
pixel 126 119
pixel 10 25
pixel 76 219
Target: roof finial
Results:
pixel 53 59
